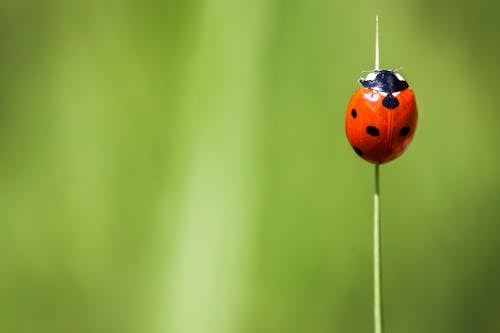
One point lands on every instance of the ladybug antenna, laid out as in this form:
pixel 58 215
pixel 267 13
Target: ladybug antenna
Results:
pixel 377 50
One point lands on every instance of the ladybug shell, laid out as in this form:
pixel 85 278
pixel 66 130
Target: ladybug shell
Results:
pixel 377 133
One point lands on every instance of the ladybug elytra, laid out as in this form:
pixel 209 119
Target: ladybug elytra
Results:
pixel 381 117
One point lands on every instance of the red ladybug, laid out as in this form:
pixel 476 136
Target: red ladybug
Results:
pixel 381 117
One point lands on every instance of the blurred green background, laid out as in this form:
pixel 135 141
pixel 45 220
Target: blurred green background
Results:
pixel 181 166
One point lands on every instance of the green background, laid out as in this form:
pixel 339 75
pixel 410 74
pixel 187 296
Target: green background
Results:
pixel 181 166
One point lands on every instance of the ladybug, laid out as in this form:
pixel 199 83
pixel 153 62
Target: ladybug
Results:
pixel 381 117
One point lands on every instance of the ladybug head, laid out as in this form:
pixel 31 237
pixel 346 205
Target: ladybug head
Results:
pixel 384 80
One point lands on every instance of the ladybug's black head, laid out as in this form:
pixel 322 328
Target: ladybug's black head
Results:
pixel 384 80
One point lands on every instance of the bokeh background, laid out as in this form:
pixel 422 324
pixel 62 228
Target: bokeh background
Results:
pixel 181 167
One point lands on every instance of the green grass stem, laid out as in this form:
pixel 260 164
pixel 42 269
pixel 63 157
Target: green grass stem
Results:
pixel 377 262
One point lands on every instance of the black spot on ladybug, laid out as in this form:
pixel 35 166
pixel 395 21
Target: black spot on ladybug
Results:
pixel 372 130
pixel 357 150
pixel 390 101
pixel 404 131
pixel 354 114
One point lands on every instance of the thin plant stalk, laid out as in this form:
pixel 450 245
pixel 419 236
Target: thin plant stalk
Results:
pixel 377 255
pixel 377 262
